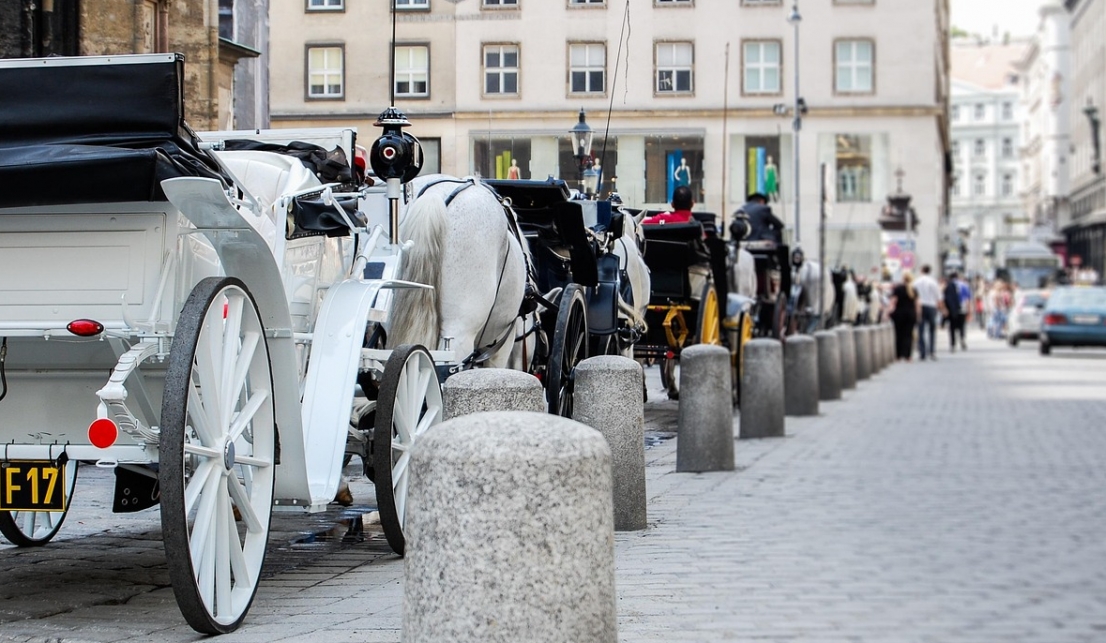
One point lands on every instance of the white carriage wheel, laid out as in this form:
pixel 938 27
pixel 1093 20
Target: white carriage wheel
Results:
pixel 409 403
pixel 36 528
pixel 217 448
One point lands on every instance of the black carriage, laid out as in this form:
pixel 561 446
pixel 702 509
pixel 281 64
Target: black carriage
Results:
pixel 687 265
pixel 577 276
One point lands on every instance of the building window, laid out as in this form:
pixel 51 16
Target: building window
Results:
pixel 500 3
pixel 1007 111
pixel 854 168
pixel 325 72
pixel 501 69
pixel 502 158
pixel 226 19
pixel 760 3
pixel 956 184
pixel 326 5
pixel 431 156
pixel 980 148
pixel 979 185
pixel 761 67
pixel 586 2
pixel 955 150
pixel 413 71
pixel 980 111
pixel 855 62
pixel 955 113
pixel 1007 184
pixel 662 3
pixel 412 4
pixel 587 68
pixel 1007 148
pixel 674 67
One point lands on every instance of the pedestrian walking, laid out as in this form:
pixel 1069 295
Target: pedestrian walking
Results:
pixel 904 314
pixel 929 297
pixel 953 304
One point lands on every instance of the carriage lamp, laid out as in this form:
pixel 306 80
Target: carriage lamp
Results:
pixel 395 157
pixel 591 180
pixel 582 134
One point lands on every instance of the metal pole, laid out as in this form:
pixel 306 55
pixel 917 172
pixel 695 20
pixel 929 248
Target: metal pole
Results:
pixel 822 248
pixel 393 190
pixel 725 136
pixel 797 123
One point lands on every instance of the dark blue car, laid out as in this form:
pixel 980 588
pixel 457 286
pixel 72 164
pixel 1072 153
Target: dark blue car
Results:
pixel 1074 316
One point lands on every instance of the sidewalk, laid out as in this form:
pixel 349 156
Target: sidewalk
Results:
pixel 949 501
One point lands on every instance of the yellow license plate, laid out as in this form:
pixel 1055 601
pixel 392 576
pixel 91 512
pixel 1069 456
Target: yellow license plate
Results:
pixel 32 485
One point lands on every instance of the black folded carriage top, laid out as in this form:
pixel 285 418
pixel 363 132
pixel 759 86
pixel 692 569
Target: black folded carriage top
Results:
pixel 95 129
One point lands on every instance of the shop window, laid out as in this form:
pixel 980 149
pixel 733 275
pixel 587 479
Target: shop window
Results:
pixel 853 162
pixel 762 171
pixel 502 158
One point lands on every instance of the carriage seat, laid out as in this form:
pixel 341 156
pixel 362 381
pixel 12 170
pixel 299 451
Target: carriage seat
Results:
pixel 267 175
pixel 675 252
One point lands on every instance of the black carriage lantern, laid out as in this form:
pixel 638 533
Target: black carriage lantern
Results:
pixel 396 154
pixel 582 134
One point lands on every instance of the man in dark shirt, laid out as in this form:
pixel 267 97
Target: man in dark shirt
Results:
pixel 764 226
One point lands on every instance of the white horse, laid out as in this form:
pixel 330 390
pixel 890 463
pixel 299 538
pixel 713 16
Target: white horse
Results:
pixel 469 252
pixel 628 249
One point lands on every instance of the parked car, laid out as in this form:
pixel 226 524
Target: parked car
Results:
pixel 1074 316
pixel 1024 320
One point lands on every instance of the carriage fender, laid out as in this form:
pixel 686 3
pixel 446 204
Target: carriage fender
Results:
pixel 603 299
pixel 328 386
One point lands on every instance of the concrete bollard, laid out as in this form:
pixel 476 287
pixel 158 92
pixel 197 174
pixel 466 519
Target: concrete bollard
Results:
pixel 510 532
pixel 762 404
pixel 800 376
pixel 863 353
pixel 608 399
pixel 491 389
pixel 829 365
pixel 874 349
pixel 889 342
pixel 847 345
pixel 704 440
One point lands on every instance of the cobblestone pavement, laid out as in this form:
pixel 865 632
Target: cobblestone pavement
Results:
pixel 948 501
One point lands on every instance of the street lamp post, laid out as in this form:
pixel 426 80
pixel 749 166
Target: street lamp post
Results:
pixel 582 134
pixel 797 121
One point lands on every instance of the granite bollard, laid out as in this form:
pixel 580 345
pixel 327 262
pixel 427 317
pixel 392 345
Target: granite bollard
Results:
pixel 829 366
pixel 510 532
pixel 608 399
pixel 847 345
pixel 704 440
pixel 800 376
pixel 874 349
pixel 889 342
pixel 491 389
pixel 762 404
pixel 863 353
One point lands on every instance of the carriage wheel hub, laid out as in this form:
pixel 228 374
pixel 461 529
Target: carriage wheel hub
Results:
pixel 228 455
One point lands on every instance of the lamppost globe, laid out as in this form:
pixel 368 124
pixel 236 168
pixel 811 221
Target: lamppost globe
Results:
pixel 794 17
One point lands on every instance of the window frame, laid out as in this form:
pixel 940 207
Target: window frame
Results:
pixel 587 4
pixel 484 70
pixel 308 47
pixel 673 3
pixel 779 66
pixel 837 91
pixel 761 3
pixel 1007 110
pixel 413 5
pixel 657 44
pixel 1006 184
pixel 499 5
pixel 396 72
pixel 1007 147
pixel 979 183
pixel 340 8
pixel 979 112
pixel 587 69
pixel 979 148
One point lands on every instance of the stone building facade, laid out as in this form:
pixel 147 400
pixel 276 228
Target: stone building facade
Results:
pixel 496 84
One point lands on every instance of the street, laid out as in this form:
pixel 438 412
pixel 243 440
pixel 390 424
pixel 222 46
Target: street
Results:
pixel 948 501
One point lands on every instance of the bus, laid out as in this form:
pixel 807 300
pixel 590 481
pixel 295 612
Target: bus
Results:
pixel 1029 265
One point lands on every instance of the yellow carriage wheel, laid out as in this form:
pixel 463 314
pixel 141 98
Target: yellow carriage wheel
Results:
pixel 710 328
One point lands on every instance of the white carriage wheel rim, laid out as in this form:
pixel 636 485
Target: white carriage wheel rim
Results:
pixel 231 363
pixel 417 386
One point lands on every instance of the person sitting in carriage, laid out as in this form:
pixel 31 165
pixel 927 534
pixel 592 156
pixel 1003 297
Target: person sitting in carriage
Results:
pixel 762 224
pixel 682 202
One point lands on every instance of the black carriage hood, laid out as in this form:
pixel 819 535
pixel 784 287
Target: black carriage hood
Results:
pixel 95 130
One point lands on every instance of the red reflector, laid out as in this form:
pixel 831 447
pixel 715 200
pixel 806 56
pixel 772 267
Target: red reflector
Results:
pixel 226 307
pixel 1053 319
pixel 102 433
pixel 85 327
pixel 669 355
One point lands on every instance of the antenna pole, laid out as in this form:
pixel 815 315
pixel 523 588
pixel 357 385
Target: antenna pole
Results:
pixel 392 71
pixel 725 135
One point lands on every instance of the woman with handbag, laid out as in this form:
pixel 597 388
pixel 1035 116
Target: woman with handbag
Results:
pixel 904 313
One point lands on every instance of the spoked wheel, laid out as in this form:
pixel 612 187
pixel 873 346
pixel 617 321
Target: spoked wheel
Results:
pixel 744 334
pixel 670 376
pixel 570 347
pixel 410 402
pixel 709 326
pixel 218 438
pixel 36 528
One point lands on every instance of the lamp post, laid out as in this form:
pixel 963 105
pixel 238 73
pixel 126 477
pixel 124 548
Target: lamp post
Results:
pixel 797 120
pixel 1092 115
pixel 581 134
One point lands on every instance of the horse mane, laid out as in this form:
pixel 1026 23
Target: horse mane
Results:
pixel 415 317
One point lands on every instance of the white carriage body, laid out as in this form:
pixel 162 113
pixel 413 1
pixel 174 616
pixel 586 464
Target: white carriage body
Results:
pixel 131 265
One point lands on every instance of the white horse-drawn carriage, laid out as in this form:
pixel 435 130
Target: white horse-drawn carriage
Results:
pixel 210 318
